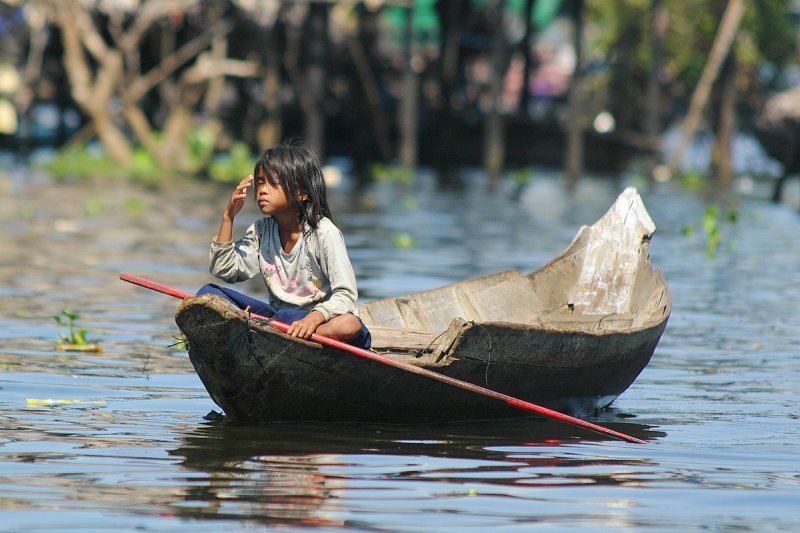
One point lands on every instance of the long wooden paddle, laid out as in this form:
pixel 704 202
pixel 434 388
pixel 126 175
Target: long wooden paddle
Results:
pixel 471 387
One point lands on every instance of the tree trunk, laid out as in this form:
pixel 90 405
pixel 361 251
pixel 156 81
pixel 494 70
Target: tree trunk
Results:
pixel 174 146
pixel 93 92
pixel 728 28
pixel 113 140
pixel 102 64
pixel 725 126
pixel 573 154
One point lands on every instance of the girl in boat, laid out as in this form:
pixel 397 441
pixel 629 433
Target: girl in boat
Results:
pixel 295 247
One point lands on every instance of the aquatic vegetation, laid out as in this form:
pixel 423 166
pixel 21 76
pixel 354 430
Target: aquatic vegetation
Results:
pixel 520 178
pixel 90 161
pixel 694 181
pixel 180 344
pixel 712 224
pixel 82 163
pixel 86 163
pixel 39 402
pixel 404 241
pixel 392 173
pixel 76 338
pixel 94 206
pixel 232 166
pixel 134 206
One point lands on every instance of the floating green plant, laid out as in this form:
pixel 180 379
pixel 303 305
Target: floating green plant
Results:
pixel 521 178
pixel 410 202
pixel 82 163
pixel 712 224
pixel 134 206
pixel 94 206
pixel 392 173
pixel 404 241
pixel 76 339
pixel 694 181
pixel 181 343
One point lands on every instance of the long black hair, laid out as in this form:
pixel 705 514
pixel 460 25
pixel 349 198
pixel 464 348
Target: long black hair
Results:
pixel 298 171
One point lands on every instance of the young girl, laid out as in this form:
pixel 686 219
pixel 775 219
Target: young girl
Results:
pixel 296 247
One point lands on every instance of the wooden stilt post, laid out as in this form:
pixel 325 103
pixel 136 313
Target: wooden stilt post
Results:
pixel 652 118
pixel 573 153
pixel 493 132
pixel 526 48
pixel 315 118
pixel 409 105
pixel 728 28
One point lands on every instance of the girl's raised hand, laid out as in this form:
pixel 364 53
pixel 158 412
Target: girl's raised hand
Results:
pixel 238 197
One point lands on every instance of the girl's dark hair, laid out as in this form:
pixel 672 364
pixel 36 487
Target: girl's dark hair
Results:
pixel 297 170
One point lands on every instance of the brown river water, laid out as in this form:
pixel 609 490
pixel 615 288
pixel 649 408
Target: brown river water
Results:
pixel 124 445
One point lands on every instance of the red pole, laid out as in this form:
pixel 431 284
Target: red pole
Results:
pixel 471 387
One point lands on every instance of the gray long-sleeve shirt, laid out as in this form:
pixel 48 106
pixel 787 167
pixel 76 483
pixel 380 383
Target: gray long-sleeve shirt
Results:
pixel 315 275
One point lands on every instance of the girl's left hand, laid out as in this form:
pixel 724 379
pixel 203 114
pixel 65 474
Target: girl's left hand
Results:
pixel 306 326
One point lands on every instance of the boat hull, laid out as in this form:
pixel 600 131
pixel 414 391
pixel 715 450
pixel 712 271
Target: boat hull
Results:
pixel 258 374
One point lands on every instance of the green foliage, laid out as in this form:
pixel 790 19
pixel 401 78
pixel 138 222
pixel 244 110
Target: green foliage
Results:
pixel 232 166
pixel 694 181
pixel 134 206
pixel 712 228
pixel 181 344
pixel 392 173
pixel 87 162
pixel 766 36
pixel 774 37
pixel 410 202
pixel 201 146
pixel 520 178
pixel 522 175
pixel 404 241
pixel 81 163
pixel 145 169
pixel 75 337
pixel 712 224
pixel 94 206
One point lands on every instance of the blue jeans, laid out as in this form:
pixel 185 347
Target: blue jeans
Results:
pixel 287 316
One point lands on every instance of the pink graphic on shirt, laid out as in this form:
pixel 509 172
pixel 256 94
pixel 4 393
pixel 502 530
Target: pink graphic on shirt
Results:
pixel 297 287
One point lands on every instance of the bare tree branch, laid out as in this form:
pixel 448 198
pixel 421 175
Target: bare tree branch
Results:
pixel 207 68
pixel 170 64
pixel 149 14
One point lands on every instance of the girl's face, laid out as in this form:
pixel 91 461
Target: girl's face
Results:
pixel 271 197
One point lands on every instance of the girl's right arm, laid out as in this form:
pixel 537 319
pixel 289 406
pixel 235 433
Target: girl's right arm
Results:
pixel 235 204
pixel 237 261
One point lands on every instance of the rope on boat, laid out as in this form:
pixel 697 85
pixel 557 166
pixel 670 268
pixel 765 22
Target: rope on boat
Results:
pixel 429 348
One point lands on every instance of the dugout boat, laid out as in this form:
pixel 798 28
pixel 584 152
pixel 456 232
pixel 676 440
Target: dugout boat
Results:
pixel 571 336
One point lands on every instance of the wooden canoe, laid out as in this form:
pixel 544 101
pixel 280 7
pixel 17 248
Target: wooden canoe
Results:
pixel 571 336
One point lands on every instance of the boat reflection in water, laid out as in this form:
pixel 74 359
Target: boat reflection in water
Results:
pixel 303 472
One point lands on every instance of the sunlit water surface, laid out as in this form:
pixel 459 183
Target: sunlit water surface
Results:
pixel 125 445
